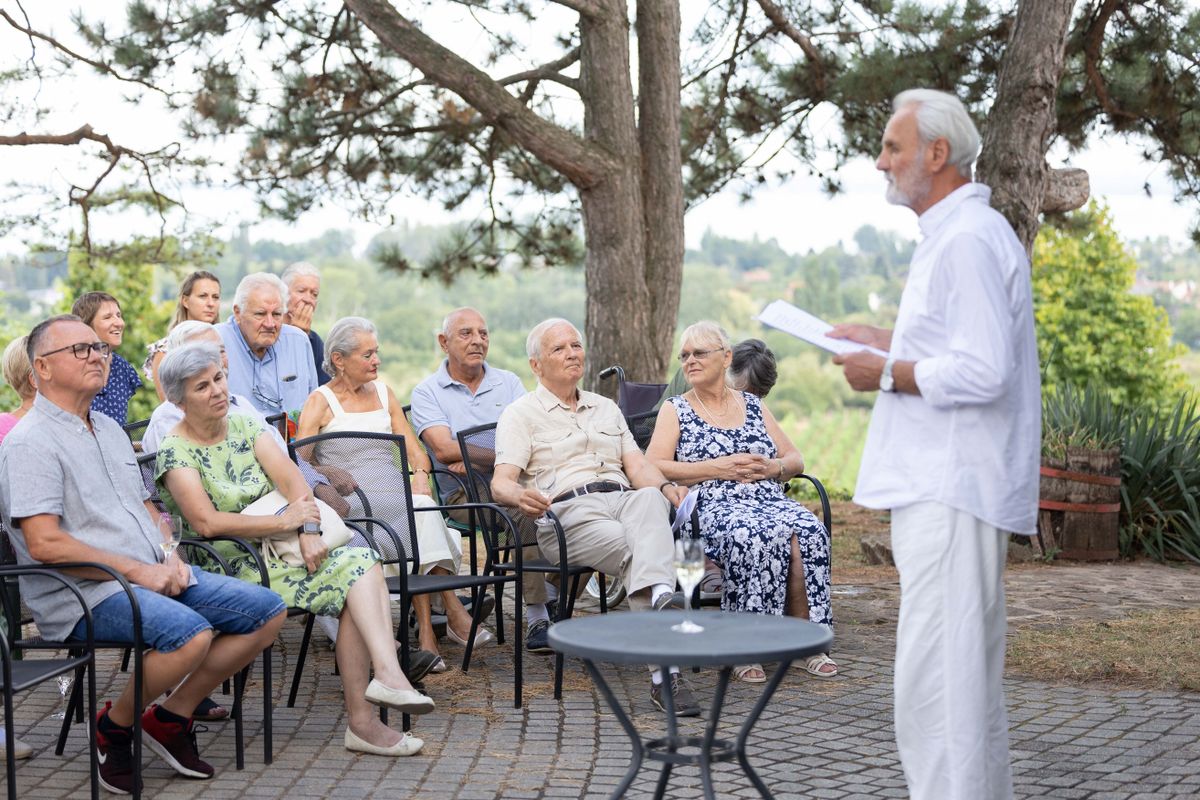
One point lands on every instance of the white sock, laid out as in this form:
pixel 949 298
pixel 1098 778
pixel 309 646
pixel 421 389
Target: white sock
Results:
pixel 658 590
pixel 330 626
pixel 656 675
pixel 551 592
pixel 535 612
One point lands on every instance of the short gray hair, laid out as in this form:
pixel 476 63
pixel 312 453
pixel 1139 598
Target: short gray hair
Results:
pixel 256 281
pixel 533 342
pixel 941 115
pixel 185 331
pixel 184 363
pixel 705 332
pixel 343 338
pixel 300 269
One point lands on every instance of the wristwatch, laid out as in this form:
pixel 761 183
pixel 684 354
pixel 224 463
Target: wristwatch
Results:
pixel 311 528
pixel 886 383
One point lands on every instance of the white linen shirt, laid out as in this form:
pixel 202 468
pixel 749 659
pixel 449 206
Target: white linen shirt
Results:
pixel 971 439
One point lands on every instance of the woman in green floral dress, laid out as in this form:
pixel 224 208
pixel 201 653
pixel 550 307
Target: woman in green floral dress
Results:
pixel 210 467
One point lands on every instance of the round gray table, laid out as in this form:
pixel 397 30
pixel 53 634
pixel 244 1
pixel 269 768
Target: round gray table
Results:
pixel 727 640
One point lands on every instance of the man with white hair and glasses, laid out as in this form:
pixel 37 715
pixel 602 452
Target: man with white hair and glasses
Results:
pixel 952 449
pixel 270 362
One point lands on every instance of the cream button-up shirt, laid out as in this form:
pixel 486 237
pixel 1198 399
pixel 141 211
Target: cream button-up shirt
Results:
pixel 539 432
pixel 972 439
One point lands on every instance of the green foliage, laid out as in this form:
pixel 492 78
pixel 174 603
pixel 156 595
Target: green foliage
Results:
pixel 1160 464
pixel 131 282
pixel 1090 327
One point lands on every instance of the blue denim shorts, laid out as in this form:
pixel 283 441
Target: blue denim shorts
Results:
pixel 227 605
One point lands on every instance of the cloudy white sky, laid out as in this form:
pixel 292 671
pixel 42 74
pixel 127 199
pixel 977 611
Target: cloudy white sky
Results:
pixel 797 214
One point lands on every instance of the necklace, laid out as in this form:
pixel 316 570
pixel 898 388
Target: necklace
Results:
pixel 724 404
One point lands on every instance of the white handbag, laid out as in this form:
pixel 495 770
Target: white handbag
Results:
pixel 286 547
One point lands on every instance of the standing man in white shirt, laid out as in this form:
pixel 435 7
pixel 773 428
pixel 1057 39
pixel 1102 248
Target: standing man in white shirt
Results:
pixel 952 449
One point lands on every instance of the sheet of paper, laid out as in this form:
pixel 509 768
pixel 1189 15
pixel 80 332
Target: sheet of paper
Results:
pixel 684 513
pixel 784 316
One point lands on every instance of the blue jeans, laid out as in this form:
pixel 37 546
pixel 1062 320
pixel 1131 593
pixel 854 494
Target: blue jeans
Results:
pixel 227 605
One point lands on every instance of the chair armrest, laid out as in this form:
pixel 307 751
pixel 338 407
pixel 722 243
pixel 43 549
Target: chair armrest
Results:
pixel 357 524
pixel 455 476
pixel 243 544
pixel 205 547
pixel 52 573
pixel 135 609
pixel 826 512
pixel 488 544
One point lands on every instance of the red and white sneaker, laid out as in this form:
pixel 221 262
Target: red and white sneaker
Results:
pixel 114 755
pixel 176 743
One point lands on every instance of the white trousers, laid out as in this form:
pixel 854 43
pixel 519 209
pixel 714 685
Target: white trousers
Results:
pixel 951 722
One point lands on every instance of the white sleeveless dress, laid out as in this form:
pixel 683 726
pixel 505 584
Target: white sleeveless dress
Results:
pixel 378 475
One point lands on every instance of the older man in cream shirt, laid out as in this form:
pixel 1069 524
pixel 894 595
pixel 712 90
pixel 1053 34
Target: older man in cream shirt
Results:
pixel 612 502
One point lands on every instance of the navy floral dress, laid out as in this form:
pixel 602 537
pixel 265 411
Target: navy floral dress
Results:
pixel 748 527
pixel 123 381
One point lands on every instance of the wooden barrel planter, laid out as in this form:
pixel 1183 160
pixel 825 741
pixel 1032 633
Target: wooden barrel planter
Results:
pixel 1079 507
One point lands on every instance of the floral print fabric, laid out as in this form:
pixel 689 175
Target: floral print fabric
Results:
pixel 233 479
pixel 123 381
pixel 748 527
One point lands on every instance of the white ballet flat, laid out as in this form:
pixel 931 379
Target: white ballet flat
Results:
pixel 406 701
pixel 482 636
pixel 408 745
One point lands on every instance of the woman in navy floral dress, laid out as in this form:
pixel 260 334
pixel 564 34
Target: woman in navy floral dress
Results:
pixel 102 311
pixel 728 447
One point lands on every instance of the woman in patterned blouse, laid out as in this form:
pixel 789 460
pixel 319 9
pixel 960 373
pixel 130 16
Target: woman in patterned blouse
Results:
pixel 102 311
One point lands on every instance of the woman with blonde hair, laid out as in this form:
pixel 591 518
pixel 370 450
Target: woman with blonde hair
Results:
pixel 18 374
pixel 727 446
pixel 200 300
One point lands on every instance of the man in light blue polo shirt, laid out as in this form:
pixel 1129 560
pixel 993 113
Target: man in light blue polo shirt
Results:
pixel 465 392
pixel 269 362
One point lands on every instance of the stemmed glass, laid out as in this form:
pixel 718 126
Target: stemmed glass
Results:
pixel 689 569
pixel 64 688
pixel 544 481
pixel 171 527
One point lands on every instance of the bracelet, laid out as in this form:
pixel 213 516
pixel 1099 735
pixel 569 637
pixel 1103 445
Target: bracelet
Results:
pixel 665 484
pixel 418 469
pixel 780 460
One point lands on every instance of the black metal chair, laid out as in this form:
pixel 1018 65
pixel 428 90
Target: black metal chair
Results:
pixel 388 516
pixel 478 447
pixel 19 675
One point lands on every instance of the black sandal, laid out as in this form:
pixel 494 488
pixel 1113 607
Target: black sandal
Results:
pixel 210 711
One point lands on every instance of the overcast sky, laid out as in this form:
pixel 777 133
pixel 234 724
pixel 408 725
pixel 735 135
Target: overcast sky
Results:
pixel 797 214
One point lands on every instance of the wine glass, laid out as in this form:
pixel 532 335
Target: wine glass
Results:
pixel 64 688
pixel 544 481
pixel 171 527
pixel 689 569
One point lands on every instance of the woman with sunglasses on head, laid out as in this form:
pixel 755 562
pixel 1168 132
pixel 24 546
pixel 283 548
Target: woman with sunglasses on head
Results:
pixel 727 446
pixel 102 311
pixel 200 300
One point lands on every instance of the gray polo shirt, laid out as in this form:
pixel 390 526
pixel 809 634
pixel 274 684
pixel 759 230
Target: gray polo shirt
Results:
pixel 52 464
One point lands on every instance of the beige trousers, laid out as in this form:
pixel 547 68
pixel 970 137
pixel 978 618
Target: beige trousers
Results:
pixel 618 533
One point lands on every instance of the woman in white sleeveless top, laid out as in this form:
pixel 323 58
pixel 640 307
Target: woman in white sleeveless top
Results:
pixel 356 400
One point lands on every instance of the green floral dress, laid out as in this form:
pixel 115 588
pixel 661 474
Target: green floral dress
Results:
pixel 233 479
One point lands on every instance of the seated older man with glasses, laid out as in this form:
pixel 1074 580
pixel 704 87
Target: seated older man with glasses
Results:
pixel 612 502
pixel 71 491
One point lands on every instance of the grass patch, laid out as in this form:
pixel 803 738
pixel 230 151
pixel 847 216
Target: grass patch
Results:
pixel 1157 649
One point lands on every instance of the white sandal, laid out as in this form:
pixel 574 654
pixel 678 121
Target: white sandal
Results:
pixel 813 664
pixel 742 673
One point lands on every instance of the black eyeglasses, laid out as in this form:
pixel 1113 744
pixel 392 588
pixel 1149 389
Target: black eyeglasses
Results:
pixel 83 349
pixel 700 354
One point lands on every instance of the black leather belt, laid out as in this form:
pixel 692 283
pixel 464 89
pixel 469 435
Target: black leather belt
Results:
pixel 598 487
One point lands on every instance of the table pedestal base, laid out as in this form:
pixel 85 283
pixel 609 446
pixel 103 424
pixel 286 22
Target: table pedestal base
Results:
pixel 710 749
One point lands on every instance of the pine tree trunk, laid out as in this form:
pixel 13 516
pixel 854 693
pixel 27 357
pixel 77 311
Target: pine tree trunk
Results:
pixel 1022 119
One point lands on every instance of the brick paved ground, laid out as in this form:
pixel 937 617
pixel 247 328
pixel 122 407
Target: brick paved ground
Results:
pixel 819 739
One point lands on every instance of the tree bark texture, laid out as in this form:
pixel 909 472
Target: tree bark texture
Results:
pixel 1022 119
pixel 628 172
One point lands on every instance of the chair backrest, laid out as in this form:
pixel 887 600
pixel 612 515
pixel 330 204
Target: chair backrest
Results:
pixel 136 429
pixel 147 462
pixel 279 421
pixel 642 427
pixel 379 464
pixel 478 448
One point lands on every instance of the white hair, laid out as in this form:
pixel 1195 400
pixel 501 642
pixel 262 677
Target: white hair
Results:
pixel 533 342
pixel 257 281
pixel 343 338
pixel 449 318
pixel 185 331
pixel 706 332
pixel 184 363
pixel 943 116
pixel 300 269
